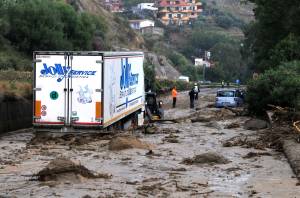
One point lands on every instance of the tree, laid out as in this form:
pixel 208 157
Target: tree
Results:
pixel 277 86
pixel 275 20
pixel 50 25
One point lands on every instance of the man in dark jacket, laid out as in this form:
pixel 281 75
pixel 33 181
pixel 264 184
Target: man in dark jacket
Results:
pixel 192 98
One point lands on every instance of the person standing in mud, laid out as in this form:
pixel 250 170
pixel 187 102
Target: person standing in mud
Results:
pixel 174 96
pixel 192 98
pixel 196 90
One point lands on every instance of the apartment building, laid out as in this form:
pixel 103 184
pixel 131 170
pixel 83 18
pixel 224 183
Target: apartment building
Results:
pixel 113 5
pixel 178 12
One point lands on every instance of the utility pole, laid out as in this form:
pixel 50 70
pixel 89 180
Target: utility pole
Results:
pixel 207 55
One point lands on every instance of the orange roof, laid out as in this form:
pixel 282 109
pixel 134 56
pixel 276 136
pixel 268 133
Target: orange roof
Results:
pixel 165 3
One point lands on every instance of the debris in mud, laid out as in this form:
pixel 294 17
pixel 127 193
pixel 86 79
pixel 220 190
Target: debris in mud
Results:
pixel 168 131
pixel 213 124
pixel 151 153
pixel 206 158
pixel 63 169
pixel 67 139
pixel 269 138
pixel 238 111
pixel 171 138
pixel 233 169
pixel 86 196
pixel 224 114
pixel 255 154
pixel 156 130
pixel 210 105
pixel 154 190
pixel 132 182
pixel 245 142
pixel 218 133
pixel 255 124
pixel 127 142
pixel 233 125
pixel 201 119
pixel 178 169
pixel 150 129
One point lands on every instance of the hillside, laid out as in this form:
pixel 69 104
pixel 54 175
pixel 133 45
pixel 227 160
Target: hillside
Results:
pixel 119 35
pixel 238 8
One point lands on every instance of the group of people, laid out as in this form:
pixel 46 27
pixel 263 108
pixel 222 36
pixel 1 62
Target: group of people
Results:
pixel 193 93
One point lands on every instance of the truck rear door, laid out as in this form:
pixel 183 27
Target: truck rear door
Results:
pixel 49 88
pixel 86 89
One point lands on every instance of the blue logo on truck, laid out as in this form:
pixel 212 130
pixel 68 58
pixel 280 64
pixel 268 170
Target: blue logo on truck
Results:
pixel 127 79
pixel 63 71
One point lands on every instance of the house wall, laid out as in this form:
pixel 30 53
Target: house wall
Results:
pixel 146 23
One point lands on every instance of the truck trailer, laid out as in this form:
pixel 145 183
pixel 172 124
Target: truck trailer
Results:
pixel 91 90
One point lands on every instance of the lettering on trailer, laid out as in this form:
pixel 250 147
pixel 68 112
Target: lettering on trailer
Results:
pixel 127 79
pixel 61 72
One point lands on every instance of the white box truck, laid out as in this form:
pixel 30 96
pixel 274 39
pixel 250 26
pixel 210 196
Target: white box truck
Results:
pixel 87 89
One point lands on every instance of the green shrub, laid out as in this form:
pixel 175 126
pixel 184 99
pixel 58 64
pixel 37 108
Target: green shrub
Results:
pixel 49 25
pixel 279 86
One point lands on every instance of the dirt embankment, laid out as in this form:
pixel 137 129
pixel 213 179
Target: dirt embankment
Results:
pixel 63 169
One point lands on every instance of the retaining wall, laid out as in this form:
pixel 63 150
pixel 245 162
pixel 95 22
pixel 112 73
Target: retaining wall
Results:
pixel 15 115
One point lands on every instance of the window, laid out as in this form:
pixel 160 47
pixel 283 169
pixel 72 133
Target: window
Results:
pixel 225 94
pixel 170 15
pixel 177 2
pixel 179 15
pixel 184 8
pixel 177 8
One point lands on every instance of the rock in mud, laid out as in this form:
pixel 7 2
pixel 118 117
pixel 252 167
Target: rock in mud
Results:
pixel 255 124
pixel 128 142
pixel 206 158
pixel 63 169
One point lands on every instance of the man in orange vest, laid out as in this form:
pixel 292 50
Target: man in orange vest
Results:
pixel 174 95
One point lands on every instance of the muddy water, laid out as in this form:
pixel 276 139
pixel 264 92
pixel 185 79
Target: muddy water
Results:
pixel 159 174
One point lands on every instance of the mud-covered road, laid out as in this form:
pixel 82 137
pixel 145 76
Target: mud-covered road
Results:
pixel 175 166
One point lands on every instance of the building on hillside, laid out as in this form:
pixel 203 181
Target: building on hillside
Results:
pixel 140 24
pixel 200 62
pixel 113 5
pixel 184 78
pixel 147 6
pixel 178 12
pixel 153 31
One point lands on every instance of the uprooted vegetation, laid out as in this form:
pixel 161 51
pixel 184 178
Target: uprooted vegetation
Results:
pixel 269 138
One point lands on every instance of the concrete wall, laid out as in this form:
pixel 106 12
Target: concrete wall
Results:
pixel 15 115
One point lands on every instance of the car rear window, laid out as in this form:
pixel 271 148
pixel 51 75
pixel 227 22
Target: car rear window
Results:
pixel 225 94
